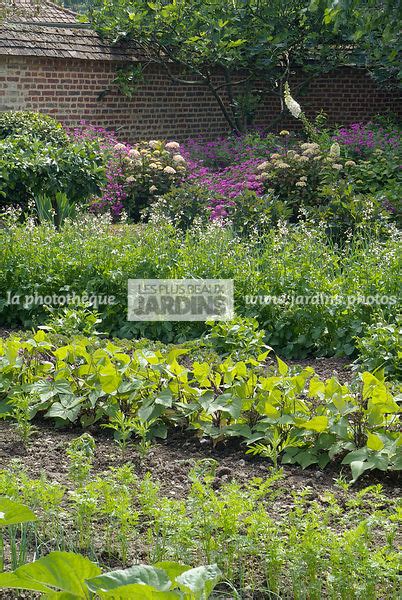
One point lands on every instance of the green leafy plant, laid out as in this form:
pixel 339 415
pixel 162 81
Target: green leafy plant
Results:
pixel 36 125
pixel 80 452
pixel 71 320
pixel 79 578
pixel 381 348
pixel 22 411
pixel 239 338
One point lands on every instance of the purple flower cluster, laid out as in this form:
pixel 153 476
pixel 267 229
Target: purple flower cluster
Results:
pixel 361 139
pixel 229 182
pixel 227 167
pixel 113 194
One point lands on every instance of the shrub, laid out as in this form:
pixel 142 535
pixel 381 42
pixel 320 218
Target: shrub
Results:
pixel 381 348
pixel 136 175
pixel 254 215
pixel 298 175
pixel 31 167
pixel 33 125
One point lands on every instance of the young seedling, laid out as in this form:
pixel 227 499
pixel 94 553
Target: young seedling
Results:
pixel 80 452
pixel 21 412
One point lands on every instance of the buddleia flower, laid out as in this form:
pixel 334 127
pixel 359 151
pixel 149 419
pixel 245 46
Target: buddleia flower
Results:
pixel 293 106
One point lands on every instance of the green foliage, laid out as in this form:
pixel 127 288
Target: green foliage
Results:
pixel 373 29
pixel 265 40
pixel 278 278
pixel 73 575
pixel 321 544
pixel 240 338
pixel 54 210
pixel 254 215
pixel 183 206
pixel 80 453
pixel 308 420
pixel 32 168
pixel 13 514
pixel 34 125
pixel 80 318
pixel 381 348
pixel 21 411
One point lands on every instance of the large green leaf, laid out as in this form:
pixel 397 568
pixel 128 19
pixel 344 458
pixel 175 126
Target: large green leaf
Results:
pixel 137 574
pixel 12 513
pixel 59 574
pixel 200 581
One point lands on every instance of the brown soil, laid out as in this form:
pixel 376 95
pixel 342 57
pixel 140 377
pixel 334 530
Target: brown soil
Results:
pixel 169 463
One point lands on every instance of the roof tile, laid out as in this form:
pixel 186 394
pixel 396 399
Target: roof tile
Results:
pixel 46 29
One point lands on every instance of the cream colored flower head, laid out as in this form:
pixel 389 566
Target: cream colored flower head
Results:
pixel 153 189
pixel 309 152
pixel 335 150
pixel 284 132
pixel 263 166
pixel 350 163
pixel 304 178
pixel 337 167
pixel 304 159
pixel 119 147
pixel 169 170
pixel 291 153
pixel 153 165
pixel 153 144
pixel 130 179
pixel 134 153
pixel 179 159
pixel 293 106
pixel 283 165
pixel 275 156
pixel 301 183
pixel 172 146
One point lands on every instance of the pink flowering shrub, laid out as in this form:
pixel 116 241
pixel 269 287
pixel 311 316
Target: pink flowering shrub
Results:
pixel 135 173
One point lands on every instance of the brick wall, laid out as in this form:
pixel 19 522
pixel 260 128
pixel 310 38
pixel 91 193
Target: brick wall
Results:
pixel 69 89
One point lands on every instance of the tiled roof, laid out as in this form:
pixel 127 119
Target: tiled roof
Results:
pixel 47 30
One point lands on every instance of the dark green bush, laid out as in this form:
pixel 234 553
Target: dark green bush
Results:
pixel 33 125
pixel 31 167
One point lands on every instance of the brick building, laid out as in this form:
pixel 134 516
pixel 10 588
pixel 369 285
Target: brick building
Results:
pixel 50 62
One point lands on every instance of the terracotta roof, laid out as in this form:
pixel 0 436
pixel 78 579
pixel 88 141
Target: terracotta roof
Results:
pixel 41 28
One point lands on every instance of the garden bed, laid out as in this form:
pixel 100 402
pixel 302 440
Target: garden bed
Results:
pixel 292 498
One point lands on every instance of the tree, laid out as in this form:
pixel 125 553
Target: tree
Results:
pixel 254 44
pixel 372 28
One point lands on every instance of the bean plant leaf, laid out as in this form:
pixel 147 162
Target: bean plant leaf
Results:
pixel 200 581
pixel 146 575
pixel 12 513
pixel 59 575
pixel 316 424
pixel 172 569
